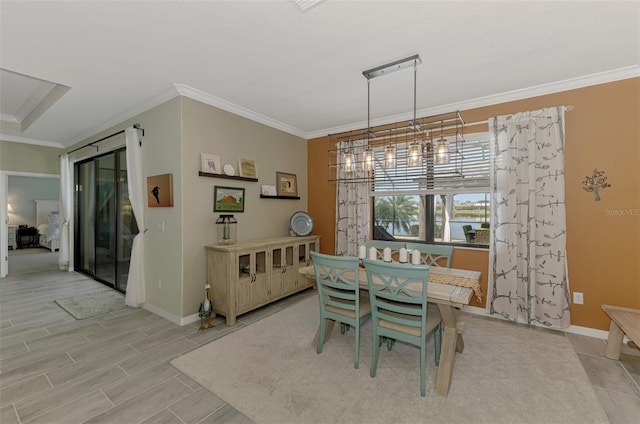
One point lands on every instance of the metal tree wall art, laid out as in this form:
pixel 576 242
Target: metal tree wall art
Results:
pixel 595 182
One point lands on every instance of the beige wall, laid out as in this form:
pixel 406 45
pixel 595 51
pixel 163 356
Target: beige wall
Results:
pixel 603 131
pixel 207 129
pixel 21 157
pixel 161 155
pixel 176 132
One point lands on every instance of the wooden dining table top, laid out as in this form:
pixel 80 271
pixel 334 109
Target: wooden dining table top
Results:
pixel 449 286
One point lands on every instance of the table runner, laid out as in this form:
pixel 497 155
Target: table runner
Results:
pixel 455 277
pixel 458 279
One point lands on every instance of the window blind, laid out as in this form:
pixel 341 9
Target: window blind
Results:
pixel 467 171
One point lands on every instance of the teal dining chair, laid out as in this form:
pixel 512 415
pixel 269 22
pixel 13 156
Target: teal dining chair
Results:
pixel 340 297
pixel 395 247
pixel 399 310
pixel 433 254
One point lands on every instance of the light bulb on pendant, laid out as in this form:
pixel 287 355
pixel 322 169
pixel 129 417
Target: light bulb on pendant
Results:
pixel 442 151
pixel 415 154
pixel 390 156
pixel 348 162
pixel 367 160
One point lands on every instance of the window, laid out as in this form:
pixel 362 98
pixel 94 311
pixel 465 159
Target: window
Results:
pixel 434 203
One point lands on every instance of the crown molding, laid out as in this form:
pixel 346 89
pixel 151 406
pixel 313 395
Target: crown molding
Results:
pixel 9 118
pixel 201 96
pixel 26 140
pixel 130 113
pixel 509 96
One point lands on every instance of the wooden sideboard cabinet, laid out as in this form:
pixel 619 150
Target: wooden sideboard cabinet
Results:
pixel 250 274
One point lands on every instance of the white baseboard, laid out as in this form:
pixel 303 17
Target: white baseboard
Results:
pixel 169 316
pixel 575 329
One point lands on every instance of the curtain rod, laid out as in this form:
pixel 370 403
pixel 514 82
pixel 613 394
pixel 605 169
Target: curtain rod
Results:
pixel 136 126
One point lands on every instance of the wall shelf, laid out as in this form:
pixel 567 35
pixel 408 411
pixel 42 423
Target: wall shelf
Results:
pixel 228 177
pixel 263 196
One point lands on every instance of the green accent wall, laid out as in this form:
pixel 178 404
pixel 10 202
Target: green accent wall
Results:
pixel 21 157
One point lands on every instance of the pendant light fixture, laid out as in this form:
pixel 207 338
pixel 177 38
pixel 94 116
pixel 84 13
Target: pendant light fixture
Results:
pixel 442 148
pixel 414 155
pixel 367 155
pixel 390 151
pixel 348 160
pixel 367 159
pixel 390 156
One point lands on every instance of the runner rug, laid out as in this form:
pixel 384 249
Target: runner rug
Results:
pixel 506 374
pixel 92 304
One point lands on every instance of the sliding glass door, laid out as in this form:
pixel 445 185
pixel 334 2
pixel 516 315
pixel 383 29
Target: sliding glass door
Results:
pixel 105 225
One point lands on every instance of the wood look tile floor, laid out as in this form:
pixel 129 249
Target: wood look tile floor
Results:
pixel 115 367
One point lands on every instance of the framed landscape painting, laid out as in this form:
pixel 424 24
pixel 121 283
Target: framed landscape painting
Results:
pixel 228 199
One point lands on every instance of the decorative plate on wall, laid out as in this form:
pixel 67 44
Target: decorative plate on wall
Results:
pixel 229 169
pixel 301 223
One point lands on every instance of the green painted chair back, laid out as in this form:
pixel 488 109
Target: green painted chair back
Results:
pixel 395 247
pixel 339 296
pixel 399 310
pixel 433 254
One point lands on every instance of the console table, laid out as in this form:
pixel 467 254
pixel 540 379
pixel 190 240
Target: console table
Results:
pixel 27 237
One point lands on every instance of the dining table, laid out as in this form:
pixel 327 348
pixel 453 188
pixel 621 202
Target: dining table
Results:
pixel 450 289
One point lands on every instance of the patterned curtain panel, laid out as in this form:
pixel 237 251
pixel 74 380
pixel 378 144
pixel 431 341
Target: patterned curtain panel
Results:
pixel 528 279
pixel 352 206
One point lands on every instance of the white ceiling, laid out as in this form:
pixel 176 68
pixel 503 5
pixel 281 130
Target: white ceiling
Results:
pixel 302 72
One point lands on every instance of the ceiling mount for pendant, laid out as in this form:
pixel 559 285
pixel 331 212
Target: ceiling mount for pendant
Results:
pixel 392 67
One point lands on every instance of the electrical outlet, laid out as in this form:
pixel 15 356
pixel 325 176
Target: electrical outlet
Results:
pixel 160 226
pixel 159 283
pixel 578 298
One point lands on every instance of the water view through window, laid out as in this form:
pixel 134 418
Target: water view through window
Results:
pixel 409 217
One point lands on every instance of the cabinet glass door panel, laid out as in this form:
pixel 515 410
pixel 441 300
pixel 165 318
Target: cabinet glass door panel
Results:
pixel 289 256
pixel 260 284
pixel 302 254
pixel 276 259
pixel 244 266
pixel 261 262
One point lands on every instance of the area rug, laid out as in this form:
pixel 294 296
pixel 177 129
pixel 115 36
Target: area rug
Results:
pixel 506 374
pixel 92 304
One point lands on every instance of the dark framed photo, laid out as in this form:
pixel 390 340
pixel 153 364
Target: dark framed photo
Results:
pixel 228 199
pixel 286 184
pixel 160 191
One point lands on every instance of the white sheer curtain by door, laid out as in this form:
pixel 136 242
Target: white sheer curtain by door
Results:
pixel 352 206
pixel 528 279
pixel 135 295
pixel 66 204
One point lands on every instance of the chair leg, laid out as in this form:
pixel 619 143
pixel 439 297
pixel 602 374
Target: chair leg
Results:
pixel 438 342
pixel 390 343
pixel 377 341
pixel 357 357
pixel 323 326
pixel 344 327
pixel 423 366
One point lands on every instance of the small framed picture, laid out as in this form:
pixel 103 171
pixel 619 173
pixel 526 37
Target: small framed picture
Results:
pixel 269 190
pixel 247 168
pixel 228 199
pixel 210 163
pixel 286 184
pixel 160 191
